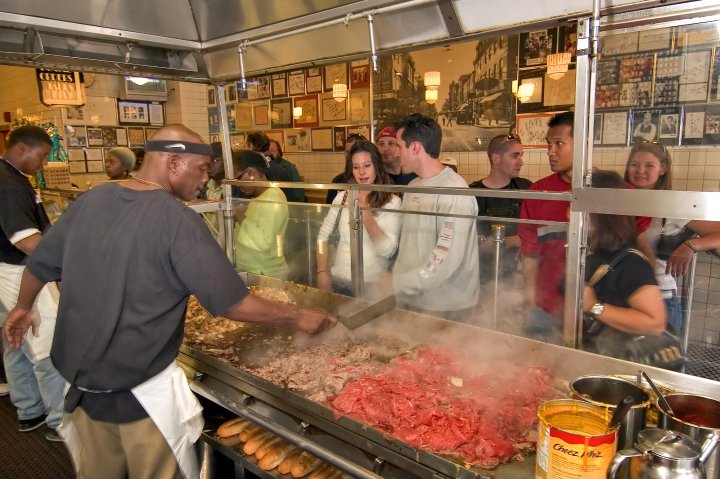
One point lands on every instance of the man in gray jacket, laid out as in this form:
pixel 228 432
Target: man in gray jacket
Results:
pixel 437 265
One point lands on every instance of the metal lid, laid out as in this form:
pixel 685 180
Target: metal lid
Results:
pixel 667 444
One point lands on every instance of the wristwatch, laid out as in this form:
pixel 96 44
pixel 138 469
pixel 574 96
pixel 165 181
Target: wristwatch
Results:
pixel 597 309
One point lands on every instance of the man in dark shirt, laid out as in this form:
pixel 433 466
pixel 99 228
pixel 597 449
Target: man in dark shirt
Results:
pixel 505 154
pixel 387 145
pixel 36 387
pixel 129 256
pixel 296 195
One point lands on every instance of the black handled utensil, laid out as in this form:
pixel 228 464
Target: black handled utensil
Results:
pixel 620 411
pixel 661 399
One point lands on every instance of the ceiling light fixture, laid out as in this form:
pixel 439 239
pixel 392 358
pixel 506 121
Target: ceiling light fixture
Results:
pixel 139 80
pixel 557 65
pixel 431 80
pixel 340 91
pixel 431 96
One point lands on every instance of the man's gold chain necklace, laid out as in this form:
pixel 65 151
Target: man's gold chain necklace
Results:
pixel 147 182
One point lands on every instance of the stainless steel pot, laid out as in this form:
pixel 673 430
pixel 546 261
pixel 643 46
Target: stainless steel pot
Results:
pixel 608 391
pixel 699 418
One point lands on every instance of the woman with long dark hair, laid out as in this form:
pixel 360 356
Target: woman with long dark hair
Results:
pixel 381 229
pixel 620 287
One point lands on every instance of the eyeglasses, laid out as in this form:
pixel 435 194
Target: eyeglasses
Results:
pixel 510 137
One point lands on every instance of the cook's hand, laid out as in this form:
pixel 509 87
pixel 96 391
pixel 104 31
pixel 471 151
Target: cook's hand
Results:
pixel 678 262
pixel 363 198
pixel 314 320
pixel 17 324
pixel 324 281
pixel 589 298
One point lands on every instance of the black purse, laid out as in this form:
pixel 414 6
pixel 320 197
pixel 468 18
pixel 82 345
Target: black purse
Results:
pixel 663 350
pixel 667 244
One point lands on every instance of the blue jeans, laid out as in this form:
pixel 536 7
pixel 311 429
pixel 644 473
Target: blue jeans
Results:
pixel 544 326
pixel 674 312
pixel 35 389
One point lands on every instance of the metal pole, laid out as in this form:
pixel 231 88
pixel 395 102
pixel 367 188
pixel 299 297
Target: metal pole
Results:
pixel 688 288
pixel 356 242
pixel 310 250
pixel 373 53
pixel 498 237
pixel 229 174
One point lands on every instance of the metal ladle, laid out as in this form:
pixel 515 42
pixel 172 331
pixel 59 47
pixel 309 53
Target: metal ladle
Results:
pixel 661 399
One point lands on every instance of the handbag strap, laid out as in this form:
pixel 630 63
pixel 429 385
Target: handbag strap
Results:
pixel 605 268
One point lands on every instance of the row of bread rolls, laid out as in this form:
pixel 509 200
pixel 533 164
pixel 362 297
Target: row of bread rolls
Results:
pixel 272 452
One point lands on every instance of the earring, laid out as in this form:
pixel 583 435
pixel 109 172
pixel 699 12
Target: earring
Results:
pixel 174 171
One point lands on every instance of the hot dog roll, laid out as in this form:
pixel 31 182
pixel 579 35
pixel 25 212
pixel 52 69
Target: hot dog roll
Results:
pixel 326 471
pixel 305 464
pixel 287 464
pixel 232 427
pixel 254 442
pixel 249 431
pixel 267 446
pixel 276 456
pixel 229 441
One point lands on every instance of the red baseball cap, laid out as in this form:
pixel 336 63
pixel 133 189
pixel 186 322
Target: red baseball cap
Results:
pixel 386 132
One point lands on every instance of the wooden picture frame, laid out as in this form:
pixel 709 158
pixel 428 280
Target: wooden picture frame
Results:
pixel 535 46
pixel 360 106
pixel 149 132
pixel 231 92
pixel 532 128
pixel 157 113
pixel 261 114
pixel 211 100
pixel 337 72
pixel 297 139
pixel 243 115
pixel 333 110
pixel 133 112
pixel 313 80
pixel 94 136
pixel 136 137
pixel 360 74
pixel 121 136
pixel 339 138
pixel 296 83
pixel 75 135
pixel 279 85
pixel 277 135
pixel 363 130
pixel 322 139
pixel 109 136
pixel 310 116
pixel 281 113
pixel 615 128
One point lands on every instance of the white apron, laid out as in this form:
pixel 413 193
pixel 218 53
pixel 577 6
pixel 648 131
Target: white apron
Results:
pixel 173 408
pixel 46 306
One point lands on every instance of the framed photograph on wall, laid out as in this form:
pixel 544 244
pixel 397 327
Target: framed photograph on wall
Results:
pixel 615 128
pixel 313 80
pixel 339 138
pixel 532 128
pixel 363 130
pixel 243 116
pixel 211 101
pixel 670 126
pixel 535 46
pixel 322 139
pixel 261 116
pixel 121 136
pixel 261 88
pixel 645 125
pixel 279 85
pixel 75 136
pixel 136 137
pixel 237 141
pixel 360 106
pixel 213 120
pixel 94 154
pixel 149 132
pixel 309 105
pixel 360 74
pixel 336 72
pixel 567 42
pixel 608 72
pixel 109 137
pixel 77 167
pixel 231 92
pixel 94 136
pixel 296 83
pixel 297 139
pixel 561 91
pixel 535 77
pixel 281 113
pixel 76 155
pixel 693 125
pixel 636 68
pixel 133 112
pixel 607 96
pixel 333 110
pixel 157 113
pixel 597 129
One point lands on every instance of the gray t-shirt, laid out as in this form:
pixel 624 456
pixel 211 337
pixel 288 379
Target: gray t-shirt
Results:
pixel 128 261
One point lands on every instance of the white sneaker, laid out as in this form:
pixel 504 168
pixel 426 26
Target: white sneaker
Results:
pixel 4 389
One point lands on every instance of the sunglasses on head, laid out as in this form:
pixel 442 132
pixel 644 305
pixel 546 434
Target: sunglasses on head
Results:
pixel 356 137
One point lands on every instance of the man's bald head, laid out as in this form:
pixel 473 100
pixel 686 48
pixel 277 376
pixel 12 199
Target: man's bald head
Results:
pixel 177 133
